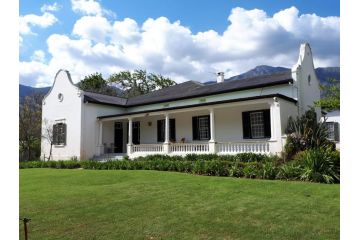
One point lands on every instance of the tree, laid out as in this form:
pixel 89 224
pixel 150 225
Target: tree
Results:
pixel 30 127
pixel 96 83
pixel 331 96
pixel 47 134
pixel 139 82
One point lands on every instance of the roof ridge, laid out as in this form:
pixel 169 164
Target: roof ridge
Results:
pixel 104 94
pixel 166 88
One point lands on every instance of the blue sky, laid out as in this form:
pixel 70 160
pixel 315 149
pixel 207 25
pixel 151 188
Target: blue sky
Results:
pixel 206 29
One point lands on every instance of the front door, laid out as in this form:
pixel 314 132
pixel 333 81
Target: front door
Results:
pixel 118 137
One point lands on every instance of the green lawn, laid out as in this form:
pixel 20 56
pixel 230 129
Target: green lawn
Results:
pixel 92 204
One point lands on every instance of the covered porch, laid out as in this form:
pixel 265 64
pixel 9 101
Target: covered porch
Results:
pixel 227 128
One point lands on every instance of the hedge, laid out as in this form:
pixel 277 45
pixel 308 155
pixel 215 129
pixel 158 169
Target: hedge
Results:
pixel 248 165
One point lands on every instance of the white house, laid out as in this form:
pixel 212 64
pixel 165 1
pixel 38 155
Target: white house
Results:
pixel 226 117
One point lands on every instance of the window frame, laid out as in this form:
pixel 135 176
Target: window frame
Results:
pixel 252 124
pixel 59 138
pixel 247 128
pixel 334 131
pixel 196 128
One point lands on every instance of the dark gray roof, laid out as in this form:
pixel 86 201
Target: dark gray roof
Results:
pixel 104 99
pixel 192 89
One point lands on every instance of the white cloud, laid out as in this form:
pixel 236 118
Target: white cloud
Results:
pixel 90 7
pixel 251 38
pixel 95 28
pixel 51 8
pixel 38 56
pixel 31 20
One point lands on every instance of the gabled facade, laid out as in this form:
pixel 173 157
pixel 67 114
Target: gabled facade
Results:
pixel 226 117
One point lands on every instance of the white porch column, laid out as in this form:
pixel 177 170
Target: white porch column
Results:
pixel 276 126
pixel 100 144
pixel 166 144
pixel 212 141
pixel 129 144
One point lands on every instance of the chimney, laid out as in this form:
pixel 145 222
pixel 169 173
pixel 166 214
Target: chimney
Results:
pixel 220 77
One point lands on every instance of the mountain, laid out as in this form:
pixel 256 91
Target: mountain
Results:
pixel 258 71
pixel 27 90
pixel 323 74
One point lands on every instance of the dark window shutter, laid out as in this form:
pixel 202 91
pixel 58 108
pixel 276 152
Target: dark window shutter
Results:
pixel 267 125
pixel 246 122
pixel 127 124
pixel 195 128
pixel 336 131
pixel 209 127
pixel 173 130
pixel 54 134
pixel 160 133
pixel 64 133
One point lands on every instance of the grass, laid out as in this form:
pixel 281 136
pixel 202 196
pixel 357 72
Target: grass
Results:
pixel 94 204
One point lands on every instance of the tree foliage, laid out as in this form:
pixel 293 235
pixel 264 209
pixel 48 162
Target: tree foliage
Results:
pixel 139 82
pixel 30 127
pixel 331 96
pixel 96 83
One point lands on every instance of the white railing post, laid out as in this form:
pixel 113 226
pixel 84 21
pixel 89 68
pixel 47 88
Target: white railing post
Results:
pixel 212 141
pixel 129 145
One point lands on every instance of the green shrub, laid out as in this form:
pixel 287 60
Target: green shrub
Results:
pixel 290 171
pixel 236 170
pixel 216 168
pixel 250 157
pixel 199 167
pixel 305 132
pixel 268 170
pixel 319 165
pixel 201 157
pixel 251 170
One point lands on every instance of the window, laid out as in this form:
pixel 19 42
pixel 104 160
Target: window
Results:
pixel 309 80
pixel 161 130
pixel 60 96
pixel 256 124
pixel 333 131
pixel 59 134
pixel 201 128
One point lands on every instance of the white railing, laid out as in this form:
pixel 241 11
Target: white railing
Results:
pixel 189 147
pixel 241 147
pixel 147 148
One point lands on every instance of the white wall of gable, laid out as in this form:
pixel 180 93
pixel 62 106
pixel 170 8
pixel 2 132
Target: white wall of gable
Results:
pixel 69 111
pixel 301 72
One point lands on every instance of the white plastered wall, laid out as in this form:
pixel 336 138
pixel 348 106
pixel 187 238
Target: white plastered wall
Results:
pixel 287 109
pixel 91 127
pixel 308 90
pixel 68 111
